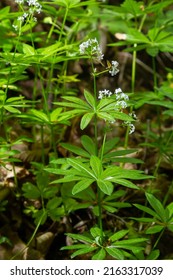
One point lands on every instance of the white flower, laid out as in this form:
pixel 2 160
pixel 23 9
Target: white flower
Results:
pixel 104 93
pixel 114 69
pixel 132 128
pixel 121 95
pixel 91 47
pixel 35 5
pixel 15 27
pixel 118 90
pixel 121 104
pixel 20 19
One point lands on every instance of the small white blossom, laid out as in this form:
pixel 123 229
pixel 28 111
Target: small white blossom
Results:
pixel 15 27
pixel 36 6
pixel 104 93
pixel 133 115
pixel 118 90
pixel 114 70
pixel 91 47
pixel 121 104
pixel 132 128
pixel 20 19
pixel 121 95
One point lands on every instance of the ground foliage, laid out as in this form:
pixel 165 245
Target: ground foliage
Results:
pixel 73 181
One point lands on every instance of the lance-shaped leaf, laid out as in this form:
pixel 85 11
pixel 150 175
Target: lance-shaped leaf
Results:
pixel 115 253
pixel 86 120
pixel 89 98
pixel 96 166
pixel 82 185
pixel 78 165
pixel 157 206
pixel 105 186
pixel 88 144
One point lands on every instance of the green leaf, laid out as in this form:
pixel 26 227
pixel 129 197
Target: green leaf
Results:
pixel 80 237
pixel 100 255
pixel 95 231
pixel 132 241
pixel 146 209
pixel 76 150
pixel 88 144
pixel 73 247
pixel 82 185
pixel 86 120
pixel 157 206
pixel 135 36
pixel 39 115
pixel 115 195
pixel 118 235
pixel 55 114
pixel 96 166
pixel 109 209
pixel 83 251
pixel 170 209
pixel 81 104
pixel 143 220
pixel 78 165
pixel 132 7
pixel 50 50
pixel 154 229
pixel 115 253
pixel 28 50
pixel 30 191
pixel 11 109
pixel 125 183
pixel 54 203
pixel 105 116
pixel 153 255
pixel 110 144
pixel 89 98
pixel 105 186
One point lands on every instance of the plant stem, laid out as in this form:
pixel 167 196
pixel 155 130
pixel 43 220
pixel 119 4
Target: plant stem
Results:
pixel 158 239
pixel 63 23
pixel 96 151
pixel 32 237
pixel 42 145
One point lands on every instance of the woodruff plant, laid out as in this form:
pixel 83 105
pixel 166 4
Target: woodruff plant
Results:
pixel 93 168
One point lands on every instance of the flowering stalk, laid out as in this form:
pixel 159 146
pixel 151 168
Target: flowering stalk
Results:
pixel 92 49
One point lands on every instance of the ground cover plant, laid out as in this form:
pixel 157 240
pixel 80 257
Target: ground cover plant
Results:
pixel 86 150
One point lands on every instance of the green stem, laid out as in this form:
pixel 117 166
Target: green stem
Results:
pixel 63 23
pixel 99 192
pixel 32 237
pixel 42 145
pixel 133 79
pixel 154 73
pixel 133 71
pixel 100 223
pixel 95 117
pixel 158 239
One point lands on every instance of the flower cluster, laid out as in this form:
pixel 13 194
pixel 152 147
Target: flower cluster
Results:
pixel 120 104
pixel 129 124
pixel 92 48
pixel 120 96
pixel 104 93
pixel 33 7
pixel 114 70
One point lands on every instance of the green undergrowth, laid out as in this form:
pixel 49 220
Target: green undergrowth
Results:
pixel 86 90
